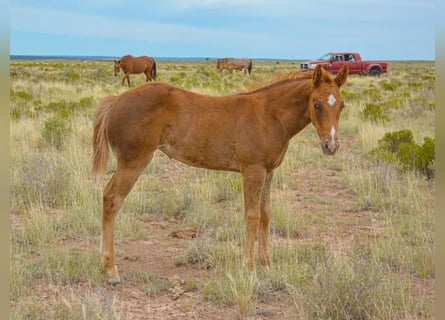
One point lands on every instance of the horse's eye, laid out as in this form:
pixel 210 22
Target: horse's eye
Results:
pixel 317 105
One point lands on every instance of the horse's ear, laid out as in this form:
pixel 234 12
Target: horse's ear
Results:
pixel 342 76
pixel 317 77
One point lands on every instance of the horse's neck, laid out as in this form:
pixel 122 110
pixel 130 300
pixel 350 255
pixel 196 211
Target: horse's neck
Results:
pixel 288 102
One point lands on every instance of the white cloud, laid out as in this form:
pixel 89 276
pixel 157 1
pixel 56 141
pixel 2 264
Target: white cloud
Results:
pixel 83 25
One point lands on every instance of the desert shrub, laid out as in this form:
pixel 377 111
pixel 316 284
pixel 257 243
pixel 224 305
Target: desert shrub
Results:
pixel 390 86
pixel 418 157
pixel 55 129
pixel 86 102
pixel 391 141
pixel 62 108
pixel 392 103
pixel 372 93
pixel 415 85
pixel 174 79
pixel 399 147
pixel 375 113
pixel 20 95
pixel 349 95
pixel 20 104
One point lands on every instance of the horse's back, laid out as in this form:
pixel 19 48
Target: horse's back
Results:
pixel 161 104
pixel 242 62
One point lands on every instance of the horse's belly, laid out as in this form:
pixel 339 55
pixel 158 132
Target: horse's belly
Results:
pixel 209 157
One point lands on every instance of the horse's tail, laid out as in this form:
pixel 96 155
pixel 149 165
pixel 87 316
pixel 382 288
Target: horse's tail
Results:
pixel 249 67
pixel 101 149
pixel 153 71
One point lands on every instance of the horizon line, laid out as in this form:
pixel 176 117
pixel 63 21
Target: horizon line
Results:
pixel 93 57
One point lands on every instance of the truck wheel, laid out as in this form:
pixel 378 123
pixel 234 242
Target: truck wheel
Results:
pixel 375 72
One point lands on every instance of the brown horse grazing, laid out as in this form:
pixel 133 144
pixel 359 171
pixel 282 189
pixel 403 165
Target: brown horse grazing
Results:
pixel 228 66
pixel 135 65
pixel 225 60
pixel 247 133
pixel 234 64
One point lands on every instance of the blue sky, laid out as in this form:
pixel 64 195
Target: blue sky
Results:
pixel 280 29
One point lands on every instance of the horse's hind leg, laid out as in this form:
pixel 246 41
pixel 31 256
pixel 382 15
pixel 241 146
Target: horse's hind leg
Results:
pixel 147 76
pixel 114 194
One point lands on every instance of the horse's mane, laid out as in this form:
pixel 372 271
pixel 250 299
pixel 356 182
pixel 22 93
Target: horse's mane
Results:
pixel 277 79
pixel 127 56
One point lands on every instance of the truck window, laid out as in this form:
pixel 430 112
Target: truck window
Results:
pixel 338 57
pixel 325 57
pixel 350 57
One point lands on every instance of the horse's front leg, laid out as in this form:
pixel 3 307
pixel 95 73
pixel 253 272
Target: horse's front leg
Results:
pixel 126 76
pixel 253 182
pixel 264 222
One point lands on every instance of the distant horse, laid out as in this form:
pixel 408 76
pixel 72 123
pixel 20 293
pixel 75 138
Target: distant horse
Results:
pixel 228 66
pixel 247 133
pixel 234 64
pixel 135 65
pixel 222 60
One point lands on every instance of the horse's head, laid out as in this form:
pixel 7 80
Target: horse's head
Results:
pixel 117 67
pixel 325 105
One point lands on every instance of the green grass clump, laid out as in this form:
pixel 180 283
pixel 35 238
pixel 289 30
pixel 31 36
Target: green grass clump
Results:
pixel 55 131
pixel 372 93
pixel 375 113
pixel 392 85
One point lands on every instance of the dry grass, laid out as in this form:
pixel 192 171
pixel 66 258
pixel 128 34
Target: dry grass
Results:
pixel 350 238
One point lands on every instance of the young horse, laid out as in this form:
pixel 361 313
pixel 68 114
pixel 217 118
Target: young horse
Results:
pixel 248 133
pixel 135 65
pixel 234 64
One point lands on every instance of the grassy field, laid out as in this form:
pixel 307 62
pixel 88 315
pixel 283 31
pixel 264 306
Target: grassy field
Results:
pixel 351 235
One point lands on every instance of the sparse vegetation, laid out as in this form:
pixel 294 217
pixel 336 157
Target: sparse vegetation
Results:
pixel 399 147
pixel 351 235
pixel 375 113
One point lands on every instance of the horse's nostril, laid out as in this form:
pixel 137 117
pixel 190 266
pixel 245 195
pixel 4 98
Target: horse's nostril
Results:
pixel 326 146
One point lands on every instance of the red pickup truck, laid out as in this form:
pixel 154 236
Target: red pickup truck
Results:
pixel 334 61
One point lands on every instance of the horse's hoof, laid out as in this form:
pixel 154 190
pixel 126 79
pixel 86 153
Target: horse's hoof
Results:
pixel 113 276
pixel 114 282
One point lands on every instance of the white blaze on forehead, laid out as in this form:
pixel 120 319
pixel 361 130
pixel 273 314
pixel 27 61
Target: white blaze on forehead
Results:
pixel 333 134
pixel 331 100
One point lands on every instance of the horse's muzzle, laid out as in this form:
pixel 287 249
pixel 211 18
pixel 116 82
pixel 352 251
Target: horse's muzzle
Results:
pixel 330 146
